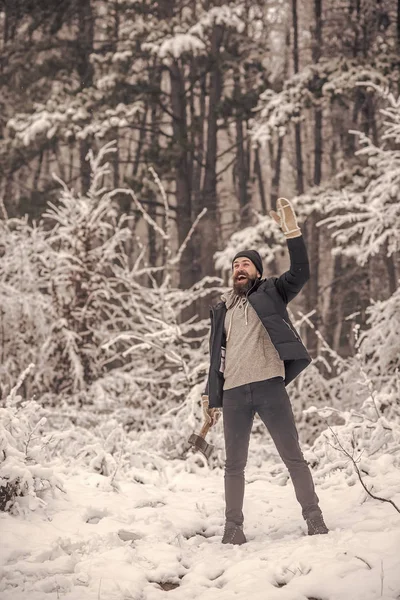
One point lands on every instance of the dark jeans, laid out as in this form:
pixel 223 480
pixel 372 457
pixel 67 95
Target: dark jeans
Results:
pixel 270 400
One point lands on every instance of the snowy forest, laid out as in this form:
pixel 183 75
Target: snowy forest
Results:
pixel 142 144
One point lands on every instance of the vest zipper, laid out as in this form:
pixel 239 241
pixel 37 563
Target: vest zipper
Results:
pixel 291 329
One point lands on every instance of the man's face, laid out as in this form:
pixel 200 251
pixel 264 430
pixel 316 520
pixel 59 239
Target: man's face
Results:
pixel 244 275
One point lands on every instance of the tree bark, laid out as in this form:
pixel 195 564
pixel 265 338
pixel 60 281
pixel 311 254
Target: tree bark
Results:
pixel 258 174
pixel 276 179
pixel 198 172
pixel 398 25
pixel 208 231
pixel 85 72
pixel 182 177
pixel 297 127
pixel 241 159
pixel 312 230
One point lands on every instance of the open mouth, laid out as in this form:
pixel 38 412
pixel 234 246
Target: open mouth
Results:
pixel 241 278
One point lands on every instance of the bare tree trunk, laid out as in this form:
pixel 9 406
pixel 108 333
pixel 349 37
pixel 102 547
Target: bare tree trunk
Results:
pixel 198 125
pixel 398 26
pixel 391 270
pixel 336 313
pixel 312 230
pixel 241 160
pixel 152 237
pixel 198 141
pixel 12 15
pixel 182 176
pixel 208 231
pixel 140 146
pixel 297 127
pixel 276 179
pixel 258 174
pixel 85 72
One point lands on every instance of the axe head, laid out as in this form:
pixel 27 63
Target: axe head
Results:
pixel 199 443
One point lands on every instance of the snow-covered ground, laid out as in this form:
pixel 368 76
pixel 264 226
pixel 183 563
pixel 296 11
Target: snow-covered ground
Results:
pixel 160 533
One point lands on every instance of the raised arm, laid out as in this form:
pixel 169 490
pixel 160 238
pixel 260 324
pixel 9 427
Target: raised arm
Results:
pixel 290 283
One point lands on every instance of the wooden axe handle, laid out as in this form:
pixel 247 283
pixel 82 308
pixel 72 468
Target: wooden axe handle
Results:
pixel 204 429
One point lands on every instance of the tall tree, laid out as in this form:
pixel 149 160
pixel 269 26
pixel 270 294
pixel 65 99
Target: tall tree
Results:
pixel 297 126
pixel 312 231
pixel 84 67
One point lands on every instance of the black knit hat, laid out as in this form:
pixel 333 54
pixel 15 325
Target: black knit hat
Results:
pixel 253 256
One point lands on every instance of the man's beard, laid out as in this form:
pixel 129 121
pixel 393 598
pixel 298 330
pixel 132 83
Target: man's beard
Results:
pixel 242 287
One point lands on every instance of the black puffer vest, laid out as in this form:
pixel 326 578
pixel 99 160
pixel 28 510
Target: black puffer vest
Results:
pixel 269 298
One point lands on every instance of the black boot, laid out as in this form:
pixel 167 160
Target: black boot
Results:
pixel 233 534
pixel 316 525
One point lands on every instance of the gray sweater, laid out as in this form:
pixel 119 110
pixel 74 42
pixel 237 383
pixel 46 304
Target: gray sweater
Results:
pixel 250 354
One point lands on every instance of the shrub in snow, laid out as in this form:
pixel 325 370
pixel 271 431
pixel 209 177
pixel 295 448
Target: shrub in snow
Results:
pixel 111 337
pixel 23 479
pixel 89 282
pixel 364 450
pixel 344 384
pixel 78 304
pixel 25 308
pixel 363 430
pixel 372 378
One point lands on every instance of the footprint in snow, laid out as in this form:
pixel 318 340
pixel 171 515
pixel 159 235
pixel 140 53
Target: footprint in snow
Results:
pixel 94 515
pixel 149 503
pixel 128 536
pixel 287 572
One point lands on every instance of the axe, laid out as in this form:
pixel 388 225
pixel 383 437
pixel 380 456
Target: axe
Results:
pixel 199 443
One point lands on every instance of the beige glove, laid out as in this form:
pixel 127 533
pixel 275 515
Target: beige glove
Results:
pixel 286 218
pixel 211 415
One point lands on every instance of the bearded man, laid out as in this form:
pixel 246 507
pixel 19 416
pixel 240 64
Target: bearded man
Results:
pixel 255 352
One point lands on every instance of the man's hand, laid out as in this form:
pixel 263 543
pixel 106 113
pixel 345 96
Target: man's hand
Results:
pixel 211 415
pixel 286 218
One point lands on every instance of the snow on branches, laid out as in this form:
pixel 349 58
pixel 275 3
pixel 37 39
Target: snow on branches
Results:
pixel 24 482
pixel 360 206
pixel 366 217
pixel 93 317
pixel 364 448
pixel 379 344
pixel 316 84
pixel 73 116
pixel 195 40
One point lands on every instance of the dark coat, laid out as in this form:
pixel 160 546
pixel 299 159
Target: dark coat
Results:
pixel 269 298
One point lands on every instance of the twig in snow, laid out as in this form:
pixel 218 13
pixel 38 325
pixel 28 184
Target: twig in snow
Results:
pixel 359 474
pixel 364 561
